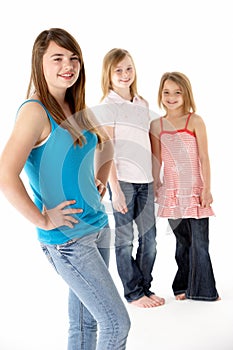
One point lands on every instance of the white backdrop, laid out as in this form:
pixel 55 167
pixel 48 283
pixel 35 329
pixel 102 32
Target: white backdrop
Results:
pixel 194 37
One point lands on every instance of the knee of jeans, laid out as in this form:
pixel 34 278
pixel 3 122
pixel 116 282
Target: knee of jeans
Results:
pixel 120 244
pixel 124 325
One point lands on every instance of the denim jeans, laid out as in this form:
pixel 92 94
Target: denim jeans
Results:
pixel 94 301
pixel 195 275
pixel 136 273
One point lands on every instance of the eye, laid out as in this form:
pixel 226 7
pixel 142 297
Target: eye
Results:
pixel 75 58
pixel 118 71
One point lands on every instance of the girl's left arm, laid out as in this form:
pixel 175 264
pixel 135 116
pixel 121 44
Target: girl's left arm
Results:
pixel 202 142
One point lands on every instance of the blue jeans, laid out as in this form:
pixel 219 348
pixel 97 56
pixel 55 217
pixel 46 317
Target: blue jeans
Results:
pixel 136 273
pixel 93 298
pixel 195 275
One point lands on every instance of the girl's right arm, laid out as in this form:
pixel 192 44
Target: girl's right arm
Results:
pixel 118 197
pixel 156 153
pixel 31 127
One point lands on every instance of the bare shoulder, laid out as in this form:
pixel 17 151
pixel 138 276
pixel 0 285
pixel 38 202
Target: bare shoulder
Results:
pixel 197 119
pixel 196 123
pixel 32 120
pixel 32 110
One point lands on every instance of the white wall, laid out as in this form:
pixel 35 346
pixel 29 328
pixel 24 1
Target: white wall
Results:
pixel 194 37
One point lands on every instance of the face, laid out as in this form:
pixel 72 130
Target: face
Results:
pixel 172 96
pixel 123 74
pixel 61 67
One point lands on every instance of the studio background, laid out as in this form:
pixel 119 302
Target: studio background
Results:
pixel 194 37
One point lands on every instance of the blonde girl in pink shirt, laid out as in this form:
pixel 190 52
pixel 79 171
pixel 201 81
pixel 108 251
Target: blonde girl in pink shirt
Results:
pixel 179 142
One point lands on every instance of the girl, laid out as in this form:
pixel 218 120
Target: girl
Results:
pixel 126 115
pixel 54 140
pixel 179 141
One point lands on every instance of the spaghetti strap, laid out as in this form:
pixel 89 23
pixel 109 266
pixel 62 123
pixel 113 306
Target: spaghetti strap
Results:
pixel 187 121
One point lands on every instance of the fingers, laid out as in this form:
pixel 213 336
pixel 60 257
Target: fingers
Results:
pixel 101 188
pixel 66 204
pixel 206 203
pixel 70 221
pixel 62 215
pixel 122 209
pixel 72 211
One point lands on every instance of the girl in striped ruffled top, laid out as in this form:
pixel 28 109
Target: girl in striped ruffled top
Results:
pixel 179 143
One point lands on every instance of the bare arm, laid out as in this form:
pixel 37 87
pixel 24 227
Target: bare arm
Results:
pixel 156 153
pixel 31 127
pixel 103 162
pixel 118 197
pixel 202 142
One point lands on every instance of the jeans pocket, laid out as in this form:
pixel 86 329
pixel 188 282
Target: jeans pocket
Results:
pixel 67 244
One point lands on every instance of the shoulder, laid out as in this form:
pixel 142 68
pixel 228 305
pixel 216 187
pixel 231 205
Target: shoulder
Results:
pixel 32 107
pixel 33 117
pixel 196 122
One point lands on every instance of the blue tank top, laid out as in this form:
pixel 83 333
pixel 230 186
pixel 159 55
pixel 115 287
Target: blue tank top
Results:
pixel 58 171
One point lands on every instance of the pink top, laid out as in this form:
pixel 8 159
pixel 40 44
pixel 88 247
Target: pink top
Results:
pixel 179 195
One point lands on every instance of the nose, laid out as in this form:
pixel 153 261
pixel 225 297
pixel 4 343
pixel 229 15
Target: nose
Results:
pixel 67 64
pixel 125 73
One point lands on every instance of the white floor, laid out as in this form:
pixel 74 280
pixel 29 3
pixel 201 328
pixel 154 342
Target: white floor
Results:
pixel 33 303
pixel 181 325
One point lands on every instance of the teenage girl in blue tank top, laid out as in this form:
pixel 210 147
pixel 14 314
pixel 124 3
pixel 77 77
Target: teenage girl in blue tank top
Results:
pixel 55 140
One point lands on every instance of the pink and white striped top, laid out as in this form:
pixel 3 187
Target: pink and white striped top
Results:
pixel 179 195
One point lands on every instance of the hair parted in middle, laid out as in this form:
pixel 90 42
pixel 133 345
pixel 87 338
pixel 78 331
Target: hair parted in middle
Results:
pixel 184 84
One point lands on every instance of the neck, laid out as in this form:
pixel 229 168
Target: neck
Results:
pixel 175 114
pixel 124 93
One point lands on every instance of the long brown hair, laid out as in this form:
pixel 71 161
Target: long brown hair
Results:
pixel 183 82
pixel 75 95
pixel 110 61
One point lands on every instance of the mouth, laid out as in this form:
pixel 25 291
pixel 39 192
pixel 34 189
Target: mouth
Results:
pixel 66 75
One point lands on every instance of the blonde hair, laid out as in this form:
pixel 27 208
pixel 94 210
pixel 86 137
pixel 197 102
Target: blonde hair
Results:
pixel 75 95
pixel 184 84
pixel 110 61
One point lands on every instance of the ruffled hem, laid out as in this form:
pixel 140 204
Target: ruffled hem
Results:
pixel 185 203
pixel 176 213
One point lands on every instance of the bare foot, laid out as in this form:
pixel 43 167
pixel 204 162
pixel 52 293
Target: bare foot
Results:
pixel 180 297
pixel 159 301
pixel 145 302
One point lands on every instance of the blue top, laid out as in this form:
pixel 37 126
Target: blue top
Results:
pixel 59 171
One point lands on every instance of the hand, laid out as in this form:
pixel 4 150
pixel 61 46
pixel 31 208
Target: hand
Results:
pixel 156 188
pixel 60 216
pixel 206 198
pixel 118 202
pixel 100 187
